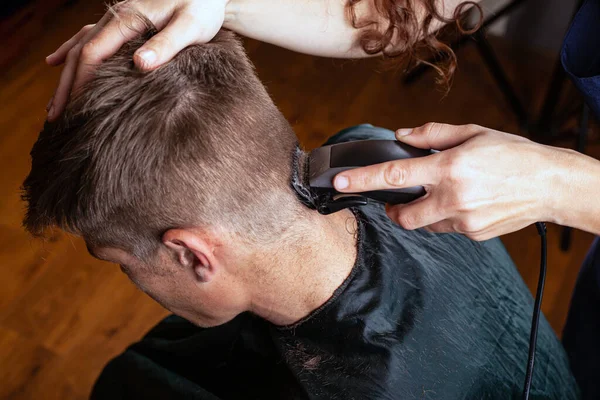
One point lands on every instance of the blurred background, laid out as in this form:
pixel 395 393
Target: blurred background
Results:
pixel 63 315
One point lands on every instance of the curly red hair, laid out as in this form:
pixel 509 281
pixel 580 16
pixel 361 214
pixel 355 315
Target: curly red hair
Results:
pixel 397 31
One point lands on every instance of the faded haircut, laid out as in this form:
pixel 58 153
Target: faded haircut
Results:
pixel 197 142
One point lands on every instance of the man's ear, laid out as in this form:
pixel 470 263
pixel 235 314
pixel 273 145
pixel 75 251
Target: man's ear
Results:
pixel 192 251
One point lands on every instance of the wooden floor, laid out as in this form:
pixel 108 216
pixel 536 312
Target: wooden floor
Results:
pixel 63 315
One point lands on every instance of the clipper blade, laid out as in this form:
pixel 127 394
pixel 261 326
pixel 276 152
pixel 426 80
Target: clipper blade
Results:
pixel 300 179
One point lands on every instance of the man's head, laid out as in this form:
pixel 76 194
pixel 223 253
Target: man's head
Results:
pixel 178 174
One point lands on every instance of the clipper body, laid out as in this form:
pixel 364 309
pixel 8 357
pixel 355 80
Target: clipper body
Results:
pixel 326 162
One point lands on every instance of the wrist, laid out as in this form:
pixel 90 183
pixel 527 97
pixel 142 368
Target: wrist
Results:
pixel 573 189
pixel 555 192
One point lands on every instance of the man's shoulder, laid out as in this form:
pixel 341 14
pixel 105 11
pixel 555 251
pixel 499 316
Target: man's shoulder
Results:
pixel 179 360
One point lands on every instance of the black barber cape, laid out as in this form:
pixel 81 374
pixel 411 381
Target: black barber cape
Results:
pixel 421 316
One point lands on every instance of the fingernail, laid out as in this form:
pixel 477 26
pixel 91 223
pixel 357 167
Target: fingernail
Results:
pixel 51 112
pixel 49 103
pixel 148 56
pixel 403 132
pixel 49 56
pixel 341 182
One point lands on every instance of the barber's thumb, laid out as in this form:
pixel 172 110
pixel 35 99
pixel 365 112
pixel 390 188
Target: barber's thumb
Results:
pixel 145 58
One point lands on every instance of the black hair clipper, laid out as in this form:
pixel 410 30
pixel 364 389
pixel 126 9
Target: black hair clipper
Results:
pixel 326 162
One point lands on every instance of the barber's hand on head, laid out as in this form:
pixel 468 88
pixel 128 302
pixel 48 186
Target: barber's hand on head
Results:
pixel 181 23
pixel 483 183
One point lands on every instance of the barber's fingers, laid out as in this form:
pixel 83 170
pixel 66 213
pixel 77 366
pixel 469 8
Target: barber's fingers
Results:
pixel 193 24
pixel 478 226
pixel 61 96
pixel 418 214
pixel 444 226
pixel 184 29
pixel 422 171
pixel 67 76
pixel 452 225
pixel 438 136
pixel 104 43
pixel 59 56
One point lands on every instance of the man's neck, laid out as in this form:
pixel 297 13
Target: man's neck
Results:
pixel 305 275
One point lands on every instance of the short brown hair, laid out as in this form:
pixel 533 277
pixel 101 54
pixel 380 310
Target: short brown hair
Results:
pixel 197 142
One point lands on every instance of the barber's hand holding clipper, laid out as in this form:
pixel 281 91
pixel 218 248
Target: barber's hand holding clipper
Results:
pixel 485 183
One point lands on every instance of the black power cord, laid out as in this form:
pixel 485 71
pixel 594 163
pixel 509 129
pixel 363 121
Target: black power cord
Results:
pixel 535 321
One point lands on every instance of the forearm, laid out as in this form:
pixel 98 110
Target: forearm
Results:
pixel 574 195
pixel 317 27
